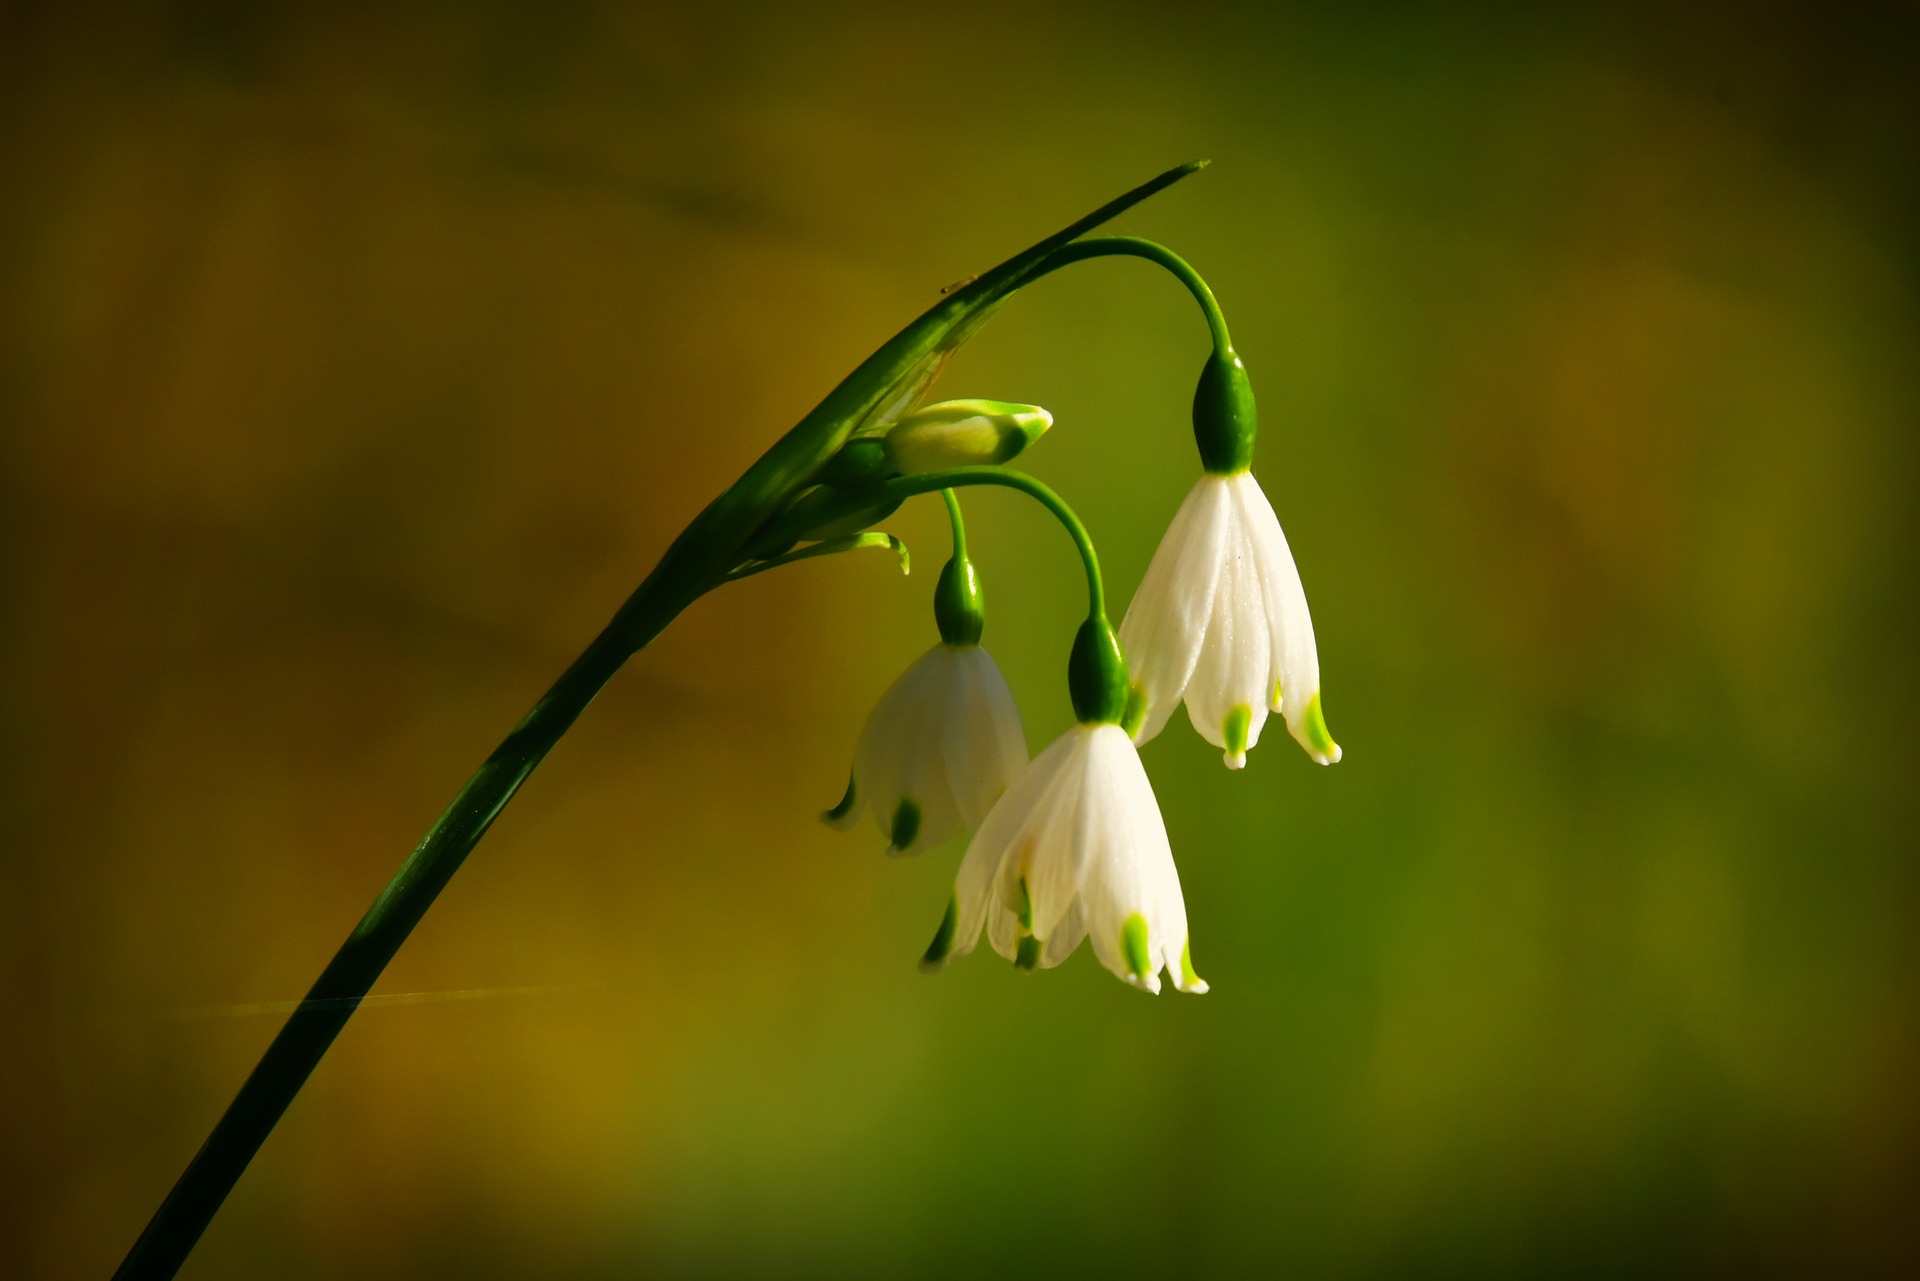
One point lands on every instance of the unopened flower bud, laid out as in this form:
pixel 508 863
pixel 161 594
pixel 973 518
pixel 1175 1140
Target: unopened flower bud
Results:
pixel 963 433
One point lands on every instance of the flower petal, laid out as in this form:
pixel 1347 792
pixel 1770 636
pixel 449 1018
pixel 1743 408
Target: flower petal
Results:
pixel 1136 879
pixel 1296 662
pixel 896 730
pixel 1066 935
pixel 1227 696
pixel 1007 827
pixel 1167 619
pixel 1039 874
pixel 985 745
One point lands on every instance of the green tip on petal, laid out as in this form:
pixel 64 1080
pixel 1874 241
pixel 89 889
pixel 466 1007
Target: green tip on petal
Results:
pixel 1133 944
pixel 936 954
pixel 1188 979
pixel 1234 734
pixel 839 814
pixel 1023 908
pixel 906 825
pixel 1319 741
pixel 1028 957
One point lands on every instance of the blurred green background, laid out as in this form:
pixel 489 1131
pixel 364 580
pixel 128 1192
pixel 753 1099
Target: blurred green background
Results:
pixel 354 363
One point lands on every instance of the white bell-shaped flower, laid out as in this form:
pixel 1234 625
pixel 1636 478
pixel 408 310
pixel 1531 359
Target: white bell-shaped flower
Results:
pixel 940 747
pixel 1221 622
pixel 1075 849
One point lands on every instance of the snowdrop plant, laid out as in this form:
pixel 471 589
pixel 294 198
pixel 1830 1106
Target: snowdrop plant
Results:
pixel 1068 848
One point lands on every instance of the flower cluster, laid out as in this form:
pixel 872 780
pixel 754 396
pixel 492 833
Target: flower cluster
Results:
pixel 1071 846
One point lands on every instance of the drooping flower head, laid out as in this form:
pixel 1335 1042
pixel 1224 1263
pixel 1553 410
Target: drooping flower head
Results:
pixel 1076 849
pixel 940 747
pixel 945 740
pixel 1221 621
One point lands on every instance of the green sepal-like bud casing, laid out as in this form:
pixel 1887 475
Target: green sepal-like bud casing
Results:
pixel 964 433
pixel 1097 675
pixel 1224 419
pixel 959 607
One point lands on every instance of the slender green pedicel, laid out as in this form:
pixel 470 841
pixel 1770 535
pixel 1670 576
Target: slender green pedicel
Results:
pixel 1224 418
pixel 959 605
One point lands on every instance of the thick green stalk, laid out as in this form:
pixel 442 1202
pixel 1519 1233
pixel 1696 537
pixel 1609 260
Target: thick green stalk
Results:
pixel 699 559
pixel 955 522
pixel 348 977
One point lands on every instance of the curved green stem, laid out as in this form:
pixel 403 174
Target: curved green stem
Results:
pixel 954 521
pixel 1154 252
pixel 904 487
